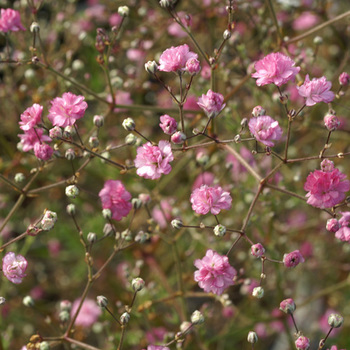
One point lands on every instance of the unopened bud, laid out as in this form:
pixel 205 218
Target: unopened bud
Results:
pixel 226 35
pixel 237 139
pixel 65 305
pixel 70 154
pixel 151 67
pixel 257 250
pixel 176 223
pixel 185 326
pixel 287 306
pixel 70 209
pixel 197 317
pixel 55 132
pixel 220 230
pixel 141 237
pixel 335 320
pixel 91 237
pixel 34 27
pixel 137 284
pixel 19 177
pixel 64 316
pixel 124 318
pixel 130 139
pixel 102 301
pixel 98 120
pixel 318 40
pixel 258 111
pixel 48 221
pixel 72 191
pixel 283 99
pixel 244 122
pixel 252 337
pixel 44 346
pixel 178 138
pixel 165 3
pixel 28 301
pixel 69 131
pixel 126 234
pixel 107 214
pixel 123 11
pixel 94 141
pixel 2 301
pixel 136 203
pixel 258 292
pixel 145 198
pixel 129 124
pixel 108 230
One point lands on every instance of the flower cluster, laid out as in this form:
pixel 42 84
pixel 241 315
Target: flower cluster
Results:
pixel 340 227
pixel 214 273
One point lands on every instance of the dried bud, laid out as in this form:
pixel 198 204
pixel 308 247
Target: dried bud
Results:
pixel 102 301
pixel 176 223
pixel 19 177
pixel 220 230
pixel 98 120
pixel 28 301
pixel 91 237
pixel 107 214
pixel 197 317
pixel 252 337
pixel 335 320
pixel 123 11
pixel 48 221
pixel 258 292
pixel 70 209
pixel 151 67
pixel 137 284
pixel 287 306
pixel 72 191
pixel 124 318
pixel 70 154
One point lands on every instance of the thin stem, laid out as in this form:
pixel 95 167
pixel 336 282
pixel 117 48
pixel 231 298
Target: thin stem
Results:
pixel 275 21
pixel 323 341
pixel 326 144
pixel 122 337
pixel 80 344
pixel 10 183
pixel 111 313
pixel 144 137
pixel 181 105
pixel 295 325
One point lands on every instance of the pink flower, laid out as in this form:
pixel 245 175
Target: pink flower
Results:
pixel 178 138
pixel 343 233
pixel 121 98
pixel 302 343
pixel 31 117
pixel 31 137
pixel 115 197
pixel 193 66
pixel 316 90
pixel 265 129
pixel 43 151
pixel 293 259
pixel 214 273
pixel 287 306
pixel 212 103
pixel 168 124
pixel 157 347
pixel 162 214
pixel 88 314
pixel 205 178
pixel 10 20
pixel 153 161
pixel 344 79
pixel 327 165
pixel 333 225
pixel 331 122
pixel 213 199
pixel 156 334
pixel 305 21
pixel 67 109
pixel 257 250
pixel 14 267
pixel 326 189
pixel 175 58
pixel 275 68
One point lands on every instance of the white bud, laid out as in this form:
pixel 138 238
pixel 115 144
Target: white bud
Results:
pixel 219 230
pixel 197 317
pixel 129 124
pixel 151 67
pixel 34 27
pixel 72 191
pixel 258 292
pixel 252 337
pixel 48 221
pixel 124 318
pixel 123 11
pixel 137 284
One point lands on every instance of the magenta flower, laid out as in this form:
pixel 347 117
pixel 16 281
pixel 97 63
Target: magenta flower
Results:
pixel 327 165
pixel 302 343
pixel 175 58
pixel 287 306
pixel 343 232
pixel 316 90
pixel 344 79
pixel 214 273
pixel 31 137
pixel 326 188
pixel 88 314
pixel 10 20
pixel 153 161
pixel 293 259
pixel 14 267
pixel 265 129
pixel 31 117
pixel 275 68
pixel 333 225
pixel 193 66
pixel 213 199
pixel 43 151
pixel 67 109
pixel 115 197
pixel 212 103
pixel 257 250
pixel 168 124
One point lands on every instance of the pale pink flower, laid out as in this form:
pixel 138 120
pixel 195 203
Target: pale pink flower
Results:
pixel 305 21
pixel 10 20
pixel 66 110
pixel 205 178
pixel 214 273
pixel 88 314
pixel 213 199
pixel 31 137
pixel 275 68
pixel 153 161
pixel 156 334
pixel 287 306
pixel 157 347
pixel 302 343
pixel 343 233
pixel 327 165
pixel 333 225
pixel 168 124
pixel 43 151
pixel 212 103
pixel 115 197
pixel 293 259
pixel 175 58
pixel 326 189
pixel 14 267
pixel 31 117
pixel 121 98
pixel 265 129
pixel 257 250
pixel 344 79
pixel 331 122
pixel 162 214
pixel 316 90
pixel 193 66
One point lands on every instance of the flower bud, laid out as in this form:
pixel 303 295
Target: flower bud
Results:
pixel 252 337
pixel 107 214
pixel 102 301
pixel 293 259
pixel 130 139
pixel 129 124
pixel 65 305
pixel 165 3
pixel 202 158
pixel 318 40
pixel 34 27
pixel 333 225
pixel 108 230
pixel 141 237
pixel 136 203
pixel 178 138
pixel 49 220
pixel 176 223
pixel 258 292
pixel 237 139
pixel 123 11
pixel 226 35
pixel 28 301
pixel 2 301
pixel 126 234
pixel 287 306
pixel 72 191
pixel 98 120
pixel 220 230
pixel 137 284
pixel 145 198
pixel 69 131
pixel 55 132
pixel 151 67
pixel 94 141
pixel 327 166
pixel 185 326
pixel 44 346
pixel 244 121
pixel 70 154
pixel 257 250
pixel 91 237
pixel 19 177
pixel 258 111
pixel 124 318
pixel 64 316
pixel 193 66
pixel 302 343
pixel 335 320
pixel 70 209
pixel 197 317
pixel 331 122
pixel 344 79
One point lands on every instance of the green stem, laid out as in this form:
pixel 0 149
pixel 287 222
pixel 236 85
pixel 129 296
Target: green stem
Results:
pixel 275 21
